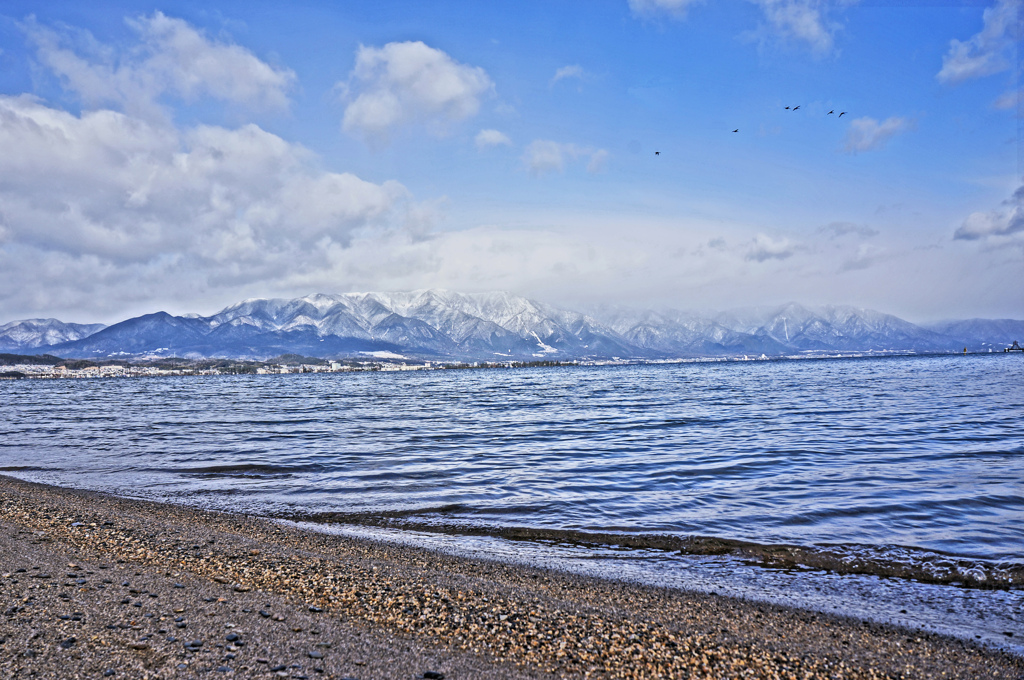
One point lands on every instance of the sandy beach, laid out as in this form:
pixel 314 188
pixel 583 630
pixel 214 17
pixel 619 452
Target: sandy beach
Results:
pixel 96 586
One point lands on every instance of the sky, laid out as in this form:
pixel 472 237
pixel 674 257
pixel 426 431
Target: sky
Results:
pixel 689 154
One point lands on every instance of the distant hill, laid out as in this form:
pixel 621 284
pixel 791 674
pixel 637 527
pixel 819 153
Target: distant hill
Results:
pixel 982 333
pixel 447 326
pixel 31 333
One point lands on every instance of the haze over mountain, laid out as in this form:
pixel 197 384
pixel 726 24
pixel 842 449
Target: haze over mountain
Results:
pixel 445 325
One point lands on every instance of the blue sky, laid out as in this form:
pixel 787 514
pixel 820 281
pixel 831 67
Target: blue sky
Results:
pixel 184 156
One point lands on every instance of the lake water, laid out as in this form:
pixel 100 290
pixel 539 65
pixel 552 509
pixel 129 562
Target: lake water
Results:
pixel 897 482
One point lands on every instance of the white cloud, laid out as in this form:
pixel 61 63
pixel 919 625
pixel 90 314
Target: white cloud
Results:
pixel 109 186
pixel 543 156
pixel 1006 221
pixel 1009 100
pixel 800 20
pixel 987 52
pixel 764 247
pixel 839 229
pixel 866 134
pixel 866 256
pixel 598 161
pixel 488 138
pixel 172 57
pixel 675 8
pixel 409 82
pixel 573 71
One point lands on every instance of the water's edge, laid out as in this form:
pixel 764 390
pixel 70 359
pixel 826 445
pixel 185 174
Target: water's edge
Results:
pixel 990 617
pixel 889 561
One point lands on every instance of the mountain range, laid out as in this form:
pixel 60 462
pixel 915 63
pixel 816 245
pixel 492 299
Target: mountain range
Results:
pixel 448 326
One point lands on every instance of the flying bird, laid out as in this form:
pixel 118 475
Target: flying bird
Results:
pixel 842 114
pixel 830 112
pixel 657 153
pixel 795 108
pixel 736 130
pixel 787 108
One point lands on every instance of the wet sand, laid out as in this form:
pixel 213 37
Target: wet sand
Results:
pixel 96 586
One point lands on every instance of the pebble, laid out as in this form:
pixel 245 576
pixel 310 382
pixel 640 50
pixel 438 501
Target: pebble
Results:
pixel 561 626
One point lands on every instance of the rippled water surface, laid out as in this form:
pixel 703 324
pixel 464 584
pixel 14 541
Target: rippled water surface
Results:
pixel 902 460
pixel 925 452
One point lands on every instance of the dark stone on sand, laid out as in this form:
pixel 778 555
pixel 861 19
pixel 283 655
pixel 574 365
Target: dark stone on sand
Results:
pixel 181 624
pixel 1008 633
pixel 276 669
pixel 68 643
pixel 433 675
pixel 315 655
pixel 179 585
pixel 107 673
pixel 264 613
pixel 223 669
pixel 315 609
pixel 232 637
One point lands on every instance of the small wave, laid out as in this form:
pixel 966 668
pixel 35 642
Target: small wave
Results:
pixel 891 561
pixel 250 470
pixel 27 468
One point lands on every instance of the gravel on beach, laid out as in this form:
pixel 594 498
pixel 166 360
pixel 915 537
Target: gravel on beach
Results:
pixel 95 586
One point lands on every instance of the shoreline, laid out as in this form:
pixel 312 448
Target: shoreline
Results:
pixel 49 367
pixel 318 605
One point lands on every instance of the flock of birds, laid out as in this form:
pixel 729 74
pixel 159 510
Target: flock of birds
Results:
pixel 797 107
pixel 788 108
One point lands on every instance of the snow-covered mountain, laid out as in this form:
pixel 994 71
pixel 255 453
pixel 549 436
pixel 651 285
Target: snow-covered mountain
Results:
pixel 434 324
pixel 29 333
pixel 445 325
pixel 833 328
